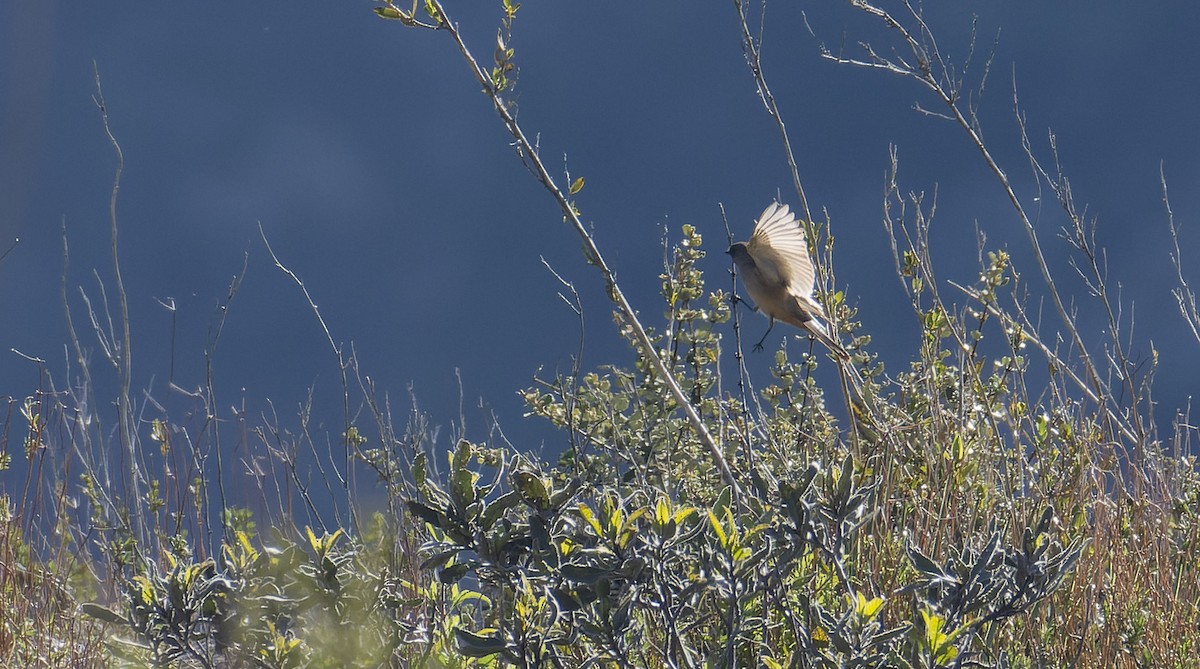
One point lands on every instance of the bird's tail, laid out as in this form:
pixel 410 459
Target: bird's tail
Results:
pixel 852 380
pixel 821 333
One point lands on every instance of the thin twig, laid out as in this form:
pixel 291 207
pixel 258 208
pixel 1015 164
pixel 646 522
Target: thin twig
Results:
pixel 343 364
pixel 16 240
pixel 591 250
pixel 122 355
pixel 575 304
pixel 1184 295
pixel 752 49
pixel 946 88
pixel 851 381
pixel 210 398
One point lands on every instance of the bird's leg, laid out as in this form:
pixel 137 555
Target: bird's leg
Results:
pixel 735 299
pixel 759 345
pixel 753 307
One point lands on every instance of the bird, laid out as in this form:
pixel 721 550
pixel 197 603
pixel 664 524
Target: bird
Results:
pixel 778 274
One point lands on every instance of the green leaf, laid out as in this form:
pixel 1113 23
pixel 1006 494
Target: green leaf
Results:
pixel 496 509
pixel 846 477
pixel 391 13
pixel 432 10
pixel 936 639
pixel 718 529
pixel 453 573
pixel 590 517
pixel 662 511
pixel 867 608
pixel 427 514
pixel 532 489
pixel 462 489
pixel 420 469
pixel 562 494
pixel 439 559
pixel 582 573
pixel 683 514
pixel 924 564
pixel 723 501
pixel 107 615
pixel 577 185
pixel 477 645
pixel 462 455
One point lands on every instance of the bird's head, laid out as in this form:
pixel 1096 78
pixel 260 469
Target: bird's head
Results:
pixel 738 252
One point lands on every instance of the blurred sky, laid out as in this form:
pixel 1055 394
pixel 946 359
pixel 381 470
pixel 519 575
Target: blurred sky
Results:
pixel 384 179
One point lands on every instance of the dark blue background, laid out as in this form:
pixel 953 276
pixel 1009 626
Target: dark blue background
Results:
pixel 384 179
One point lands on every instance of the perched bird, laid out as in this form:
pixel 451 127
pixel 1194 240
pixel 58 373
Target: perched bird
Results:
pixel 778 274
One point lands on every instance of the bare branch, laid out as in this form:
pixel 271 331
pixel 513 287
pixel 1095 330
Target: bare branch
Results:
pixel 1185 296
pixel 752 49
pixel 16 240
pixel 120 353
pixel 937 74
pixel 591 250
pixel 343 363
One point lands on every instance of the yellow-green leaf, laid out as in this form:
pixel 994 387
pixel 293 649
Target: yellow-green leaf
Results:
pixel 938 642
pixel 590 517
pixel 662 511
pixel 867 608
pixel 432 10
pixel 720 531
pixel 390 13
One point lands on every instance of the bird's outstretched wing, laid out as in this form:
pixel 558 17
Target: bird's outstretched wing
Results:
pixel 779 241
